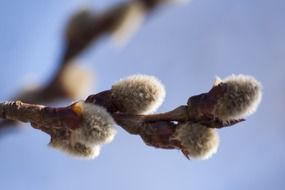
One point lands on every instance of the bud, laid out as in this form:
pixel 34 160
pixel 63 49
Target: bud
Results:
pixel 97 125
pixel 84 151
pixel 129 19
pixel 241 97
pixel 62 142
pixel 198 141
pixel 138 94
pixel 76 81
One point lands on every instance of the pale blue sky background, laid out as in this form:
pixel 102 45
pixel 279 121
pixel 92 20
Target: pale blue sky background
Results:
pixel 185 47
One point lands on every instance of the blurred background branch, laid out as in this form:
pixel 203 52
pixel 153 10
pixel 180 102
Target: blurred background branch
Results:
pixel 85 27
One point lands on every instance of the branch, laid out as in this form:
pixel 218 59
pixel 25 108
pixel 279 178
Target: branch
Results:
pixel 189 128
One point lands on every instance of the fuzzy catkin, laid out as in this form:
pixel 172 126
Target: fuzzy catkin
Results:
pixel 138 94
pixel 62 142
pixel 241 99
pixel 97 126
pixel 76 80
pixel 128 22
pixel 199 141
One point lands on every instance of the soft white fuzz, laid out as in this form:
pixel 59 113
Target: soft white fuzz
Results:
pixel 95 129
pixel 199 141
pixel 78 150
pixel 97 125
pixel 128 22
pixel 138 94
pixel 76 80
pixel 241 99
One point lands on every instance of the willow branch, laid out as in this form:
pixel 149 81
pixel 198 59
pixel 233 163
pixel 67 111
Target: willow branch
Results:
pixel 189 128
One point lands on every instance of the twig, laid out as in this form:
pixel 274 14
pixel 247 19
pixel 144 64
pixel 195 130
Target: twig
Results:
pixel 189 128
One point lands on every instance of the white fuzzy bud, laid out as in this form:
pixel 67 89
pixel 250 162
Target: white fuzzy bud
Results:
pixel 97 125
pixel 199 141
pixel 128 22
pixel 77 150
pixel 76 80
pixel 138 94
pixel 241 99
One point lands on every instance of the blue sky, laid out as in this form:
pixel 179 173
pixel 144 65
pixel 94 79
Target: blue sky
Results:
pixel 185 47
